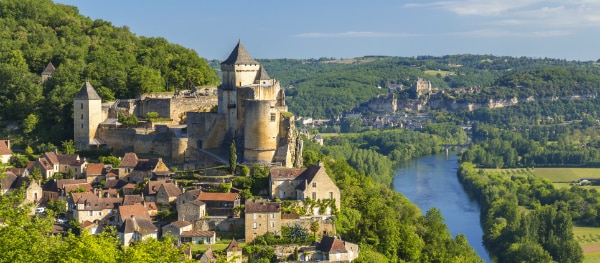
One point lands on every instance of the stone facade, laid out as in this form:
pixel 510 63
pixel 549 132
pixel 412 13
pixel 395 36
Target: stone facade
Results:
pixel 262 217
pixel 87 116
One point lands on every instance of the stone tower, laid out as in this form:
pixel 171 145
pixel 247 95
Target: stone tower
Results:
pixel 423 87
pixel 87 115
pixel 251 111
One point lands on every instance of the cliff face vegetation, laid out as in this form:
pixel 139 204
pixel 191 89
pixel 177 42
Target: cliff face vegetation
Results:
pixel 115 61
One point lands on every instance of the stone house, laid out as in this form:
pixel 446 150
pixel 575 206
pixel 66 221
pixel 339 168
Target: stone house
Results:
pixel 5 152
pixel 191 211
pixel 54 189
pixel 187 196
pixel 95 173
pixel 167 194
pixel 88 206
pixel 220 204
pixel 138 211
pixel 305 183
pixel 261 217
pixel 174 229
pixel 136 229
pixel 199 237
pixel 10 182
pixel 330 249
pixel 135 170
pixel 170 193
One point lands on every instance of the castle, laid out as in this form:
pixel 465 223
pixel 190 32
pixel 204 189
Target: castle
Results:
pixel 251 112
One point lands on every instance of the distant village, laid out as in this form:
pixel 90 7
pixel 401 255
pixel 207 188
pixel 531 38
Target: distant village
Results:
pixel 141 197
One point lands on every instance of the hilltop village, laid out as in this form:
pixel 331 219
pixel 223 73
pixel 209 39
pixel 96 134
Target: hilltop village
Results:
pixel 141 198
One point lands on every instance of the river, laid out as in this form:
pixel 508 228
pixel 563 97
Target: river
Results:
pixel 432 182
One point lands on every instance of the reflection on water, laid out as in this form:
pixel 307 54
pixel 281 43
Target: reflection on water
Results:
pixel 432 182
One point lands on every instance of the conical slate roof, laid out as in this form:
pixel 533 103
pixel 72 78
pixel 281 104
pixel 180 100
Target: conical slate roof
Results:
pixel 87 92
pixel 239 55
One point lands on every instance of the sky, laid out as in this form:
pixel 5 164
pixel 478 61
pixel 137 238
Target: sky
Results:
pixel 561 29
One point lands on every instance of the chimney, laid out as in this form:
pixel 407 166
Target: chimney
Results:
pixel 8 144
pixel 321 163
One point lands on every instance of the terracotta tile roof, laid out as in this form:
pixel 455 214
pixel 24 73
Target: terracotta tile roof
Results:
pixel 140 225
pixel 180 223
pixel 91 202
pixel 4 150
pixel 94 169
pixel 151 206
pixel 129 186
pixel 73 187
pixel 137 210
pixel 146 164
pixel 88 224
pixel 113 173
pixel 45 163
pixel 15 171
pixel 67 158
pixel 207 196
pixel 198 233
pixel 30 166
pixel 7 181
pixel 133 199
pixel 129 160
pixel 171 189
pixel 332 245
pixel 62 182
pixel 262 207
pixel 52 157
pixel 233 246
pixel 285 173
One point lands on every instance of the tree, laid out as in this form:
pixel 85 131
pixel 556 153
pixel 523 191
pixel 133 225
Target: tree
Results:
pixel 112 160
pixel 314 227
pixel 232 157
pixel 29 123
pixel 152 115
pixel 36 175
pixel 68 147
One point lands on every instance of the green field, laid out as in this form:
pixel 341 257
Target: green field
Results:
pixel 435 72
pixel 566 175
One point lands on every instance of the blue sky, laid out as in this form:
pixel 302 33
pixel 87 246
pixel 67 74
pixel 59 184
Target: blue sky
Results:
pixel 563 29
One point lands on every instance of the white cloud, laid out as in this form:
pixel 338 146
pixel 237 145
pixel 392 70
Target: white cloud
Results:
pixel 353 34
pixel 502 33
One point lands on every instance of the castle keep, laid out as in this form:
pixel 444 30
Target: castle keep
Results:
pixel 251 112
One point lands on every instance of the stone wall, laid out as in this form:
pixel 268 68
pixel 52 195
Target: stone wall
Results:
pixel 218 223
pixel 121 140
pixel 326 226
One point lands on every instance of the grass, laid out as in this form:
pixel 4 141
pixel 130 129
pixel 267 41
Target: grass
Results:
pixel 219 246
pixel 435 72
pixel 566 175
pixel 593 258
pixel 587 235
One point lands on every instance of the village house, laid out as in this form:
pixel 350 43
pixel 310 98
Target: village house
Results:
pixel 5 152
pixel 261 217
pixel 199 237
pixel 134 170
pixel 220 204
pixel 54 189
pixel 88 206
pixel 191 211
pixel 167 194
pixel 95 173
pixel 330 249
pixel 10 182
pixel 174 229
pixel 305 183
pixel 135 224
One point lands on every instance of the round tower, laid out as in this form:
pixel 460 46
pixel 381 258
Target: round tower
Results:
pixel 261 122
pixel 87 115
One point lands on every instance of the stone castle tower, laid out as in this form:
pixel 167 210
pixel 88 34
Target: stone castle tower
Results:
pixel 422 87
pixel 87 115
pixel 251 111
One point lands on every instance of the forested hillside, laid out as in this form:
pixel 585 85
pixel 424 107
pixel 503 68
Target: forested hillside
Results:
pixel 115 61
pixel 328 87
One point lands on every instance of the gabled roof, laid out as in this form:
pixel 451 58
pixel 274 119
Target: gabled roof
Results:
pixel 146 164
pixel 94 169
pixel 195 202
pixel 7 181
pixel 137 210
pixel 87 92
pixel 262 207
pixel 49 69
pixel 115 184
pixel 140 225
pixel 152 187
pixel 180 223
pixel 197 233
pixel 132 199
pixel 4 149
pixel 285 174
pixel 233 246
pixel 206 196
pixel 15 171
pixel 262 74
pixel 332 245
pixel 130 160
pixel 171 189
pixel 67 158
pixel 239 55
pixel 73 187
pixel 208 255
pixel 52 157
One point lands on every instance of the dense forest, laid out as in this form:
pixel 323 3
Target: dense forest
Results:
pixel 115 61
